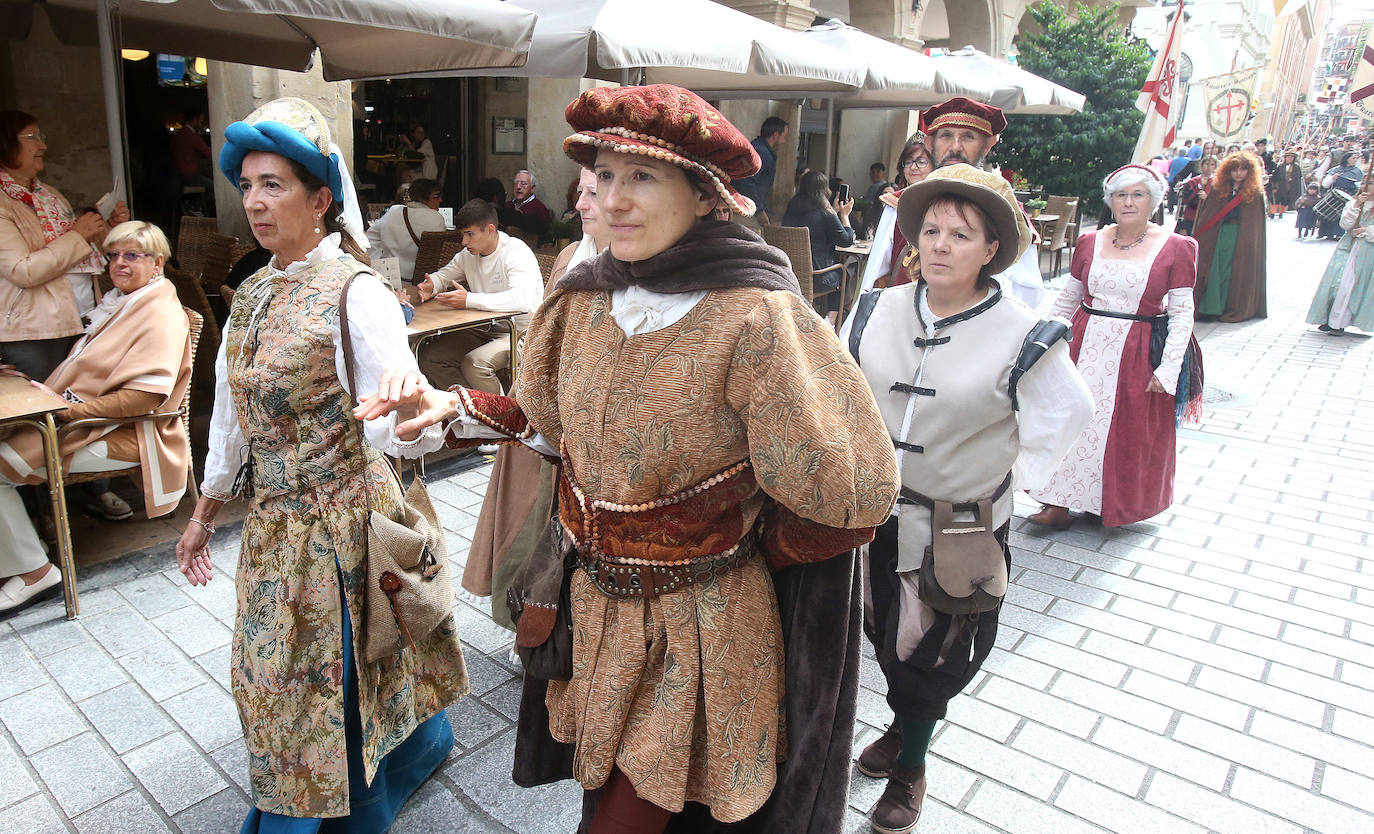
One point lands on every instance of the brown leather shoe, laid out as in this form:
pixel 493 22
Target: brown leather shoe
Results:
pixel 878 758
pixel 1052 516
pixel 899 808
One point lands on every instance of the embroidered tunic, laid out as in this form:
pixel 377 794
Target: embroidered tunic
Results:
pixel 307 529
pixel 684 692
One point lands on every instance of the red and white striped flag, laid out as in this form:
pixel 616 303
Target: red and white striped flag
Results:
pixel 1159 98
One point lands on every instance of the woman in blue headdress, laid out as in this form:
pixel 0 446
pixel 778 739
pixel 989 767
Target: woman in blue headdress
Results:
pixel 335 743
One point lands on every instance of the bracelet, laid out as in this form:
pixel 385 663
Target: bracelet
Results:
pixel 209 528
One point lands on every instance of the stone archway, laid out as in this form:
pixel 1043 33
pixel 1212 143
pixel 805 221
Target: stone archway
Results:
pixel 960 23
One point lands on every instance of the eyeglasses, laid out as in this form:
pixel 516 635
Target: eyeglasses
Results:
pixel 131 257
pixel 35 136
pixel 916 163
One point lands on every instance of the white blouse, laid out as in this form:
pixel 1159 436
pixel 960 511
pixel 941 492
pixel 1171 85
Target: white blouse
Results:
pixel 379 344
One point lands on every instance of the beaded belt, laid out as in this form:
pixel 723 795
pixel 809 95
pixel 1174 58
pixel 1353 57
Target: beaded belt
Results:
pixel 644 579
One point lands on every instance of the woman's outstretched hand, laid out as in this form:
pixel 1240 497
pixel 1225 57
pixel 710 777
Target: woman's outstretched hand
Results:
pixel 410 395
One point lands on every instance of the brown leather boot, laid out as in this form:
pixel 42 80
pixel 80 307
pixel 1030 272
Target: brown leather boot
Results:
pixel 878 758
pixel 1052 516
pixel 899 808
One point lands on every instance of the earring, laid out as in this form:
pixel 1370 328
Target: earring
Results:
pixel 317 223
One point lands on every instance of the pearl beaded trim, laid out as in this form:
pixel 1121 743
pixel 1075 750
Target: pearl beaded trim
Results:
pixel 741 204
pixel 663 143
pixel 471 410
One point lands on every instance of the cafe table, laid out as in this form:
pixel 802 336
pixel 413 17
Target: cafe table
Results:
pixel 23 405
pixel 857 254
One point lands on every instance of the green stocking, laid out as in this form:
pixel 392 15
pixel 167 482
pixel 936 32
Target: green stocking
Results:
pixel 915 742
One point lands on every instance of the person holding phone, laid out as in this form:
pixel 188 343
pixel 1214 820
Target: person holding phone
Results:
pixel 827 217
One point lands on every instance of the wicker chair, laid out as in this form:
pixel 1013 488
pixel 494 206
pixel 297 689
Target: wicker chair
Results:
pixel 219 257
pixel 193 242
pixel 183 412
pixel 546 263
pixel 1058 240
pixel 795 242
pixel 431 254
pixel 239 249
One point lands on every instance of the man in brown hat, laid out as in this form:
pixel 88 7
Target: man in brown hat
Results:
pixel 959 130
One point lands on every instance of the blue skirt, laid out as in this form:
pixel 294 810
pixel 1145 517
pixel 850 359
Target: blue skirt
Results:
pixel 372 808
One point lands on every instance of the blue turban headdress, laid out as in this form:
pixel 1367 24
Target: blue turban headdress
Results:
pixel 295 129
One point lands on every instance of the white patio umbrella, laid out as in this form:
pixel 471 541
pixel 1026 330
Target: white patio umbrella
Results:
pixel 712 49
pixel 1015 90
pixel 355 38
pixel 896 77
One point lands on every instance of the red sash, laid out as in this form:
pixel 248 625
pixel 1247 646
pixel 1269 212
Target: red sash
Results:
pixel 1219 216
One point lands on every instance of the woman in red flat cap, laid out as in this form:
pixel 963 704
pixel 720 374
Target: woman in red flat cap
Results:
pixel 718 449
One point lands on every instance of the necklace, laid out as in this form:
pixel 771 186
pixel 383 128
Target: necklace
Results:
pixel 1116 240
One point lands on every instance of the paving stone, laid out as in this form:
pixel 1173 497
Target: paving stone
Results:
pixel 1102 620
pixel 232 758
pixel 505 699
pixel 1114 702
pixel 84 670
pixel 125 717
pixel 483 674
pixel 983 718
pixel 1023 670
pixel 1297 804
pixel 1187 699
pixel 1164 753
pixel 1039 706
pixel 80 774
pixel 161 670
pixel 194 630
pixel 1261 695
pixel 174 772
pixel 1212 810
pixel 34 815
pixel 52 637
pixel 15 782
pixel 1311 741
pixel 1079 662
pixel 1015 812
pixel 215 663
pixel 1278 651
pixel 1323 689
pixel 39 718
pixel 207 714
pixel 121 630
pixel 153 595
pixel 1077 756
pixel 1141 657
pixel 129 811
pixel 473 723
pixel 1117 813
pixel 999 762
pixel 22 671
pixel 485 777
pixel 1164 618
pixel 1341 785
pixel 225 811
pixel 1243 749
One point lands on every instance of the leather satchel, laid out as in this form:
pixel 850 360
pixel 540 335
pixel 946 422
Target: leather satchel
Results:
pixel 964 570
pixel 540 604
pixel 409 587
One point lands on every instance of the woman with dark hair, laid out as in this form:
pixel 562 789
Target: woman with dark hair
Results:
pixel 1344 176
pixel 972 413
pixel 914 163
pixel 827 220
pixel 48 270
pixel 721 458
pixel 1230 232
pixel 1191 193
pixel 415 141
pixel 329 734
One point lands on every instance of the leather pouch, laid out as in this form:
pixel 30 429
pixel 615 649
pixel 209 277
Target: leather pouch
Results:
pixel 964 570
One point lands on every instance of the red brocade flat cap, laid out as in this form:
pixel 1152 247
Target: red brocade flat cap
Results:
pixel 668 123
pixel 964 112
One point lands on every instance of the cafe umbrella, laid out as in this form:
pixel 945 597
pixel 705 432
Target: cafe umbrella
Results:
pixel 354 38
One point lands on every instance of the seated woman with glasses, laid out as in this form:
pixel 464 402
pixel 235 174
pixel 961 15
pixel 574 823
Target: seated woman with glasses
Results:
pixel 134 358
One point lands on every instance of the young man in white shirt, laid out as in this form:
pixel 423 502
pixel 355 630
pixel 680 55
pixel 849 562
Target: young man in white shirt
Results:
pixel 502 275
pixel 396 234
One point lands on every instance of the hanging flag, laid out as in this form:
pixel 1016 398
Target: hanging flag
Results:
pixel 1362 85
pixel 1158 99
pixel 1228 100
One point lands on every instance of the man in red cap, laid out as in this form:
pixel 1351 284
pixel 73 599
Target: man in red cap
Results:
pixel 957 130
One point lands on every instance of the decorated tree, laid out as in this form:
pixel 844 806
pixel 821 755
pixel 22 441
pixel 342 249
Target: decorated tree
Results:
pixel 1092 54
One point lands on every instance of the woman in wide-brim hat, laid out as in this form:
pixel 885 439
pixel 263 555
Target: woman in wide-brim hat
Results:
pixel 694 396
pixel 979 397
pixel 334 742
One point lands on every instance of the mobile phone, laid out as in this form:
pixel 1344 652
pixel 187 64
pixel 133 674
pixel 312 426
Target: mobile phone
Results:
pixel 844 192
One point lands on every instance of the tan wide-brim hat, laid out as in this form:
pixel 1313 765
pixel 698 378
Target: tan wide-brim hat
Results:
pixel 992 193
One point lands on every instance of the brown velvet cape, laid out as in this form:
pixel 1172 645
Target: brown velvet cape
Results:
pixel 1245 299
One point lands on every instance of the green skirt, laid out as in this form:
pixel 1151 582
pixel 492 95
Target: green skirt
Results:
pixel 1219 278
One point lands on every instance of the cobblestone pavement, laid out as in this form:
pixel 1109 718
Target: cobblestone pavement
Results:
pixel 1208 670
